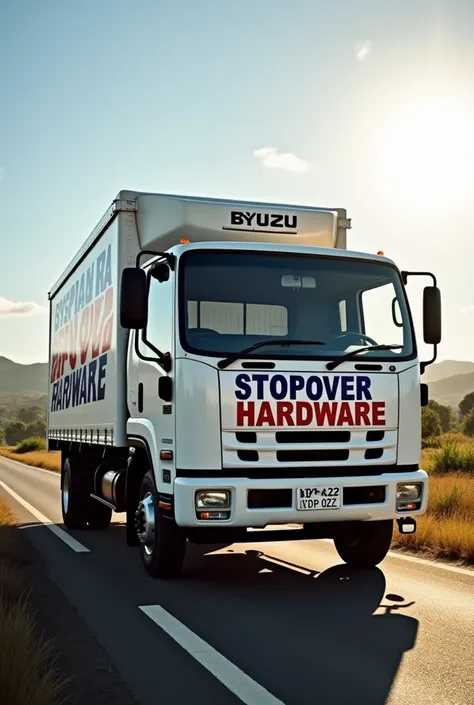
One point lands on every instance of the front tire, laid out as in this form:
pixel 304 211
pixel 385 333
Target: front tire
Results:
pixel 162 541
pixel 367 545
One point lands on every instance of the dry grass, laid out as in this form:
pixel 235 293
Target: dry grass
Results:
pixel 27 671
pixel 36 458
pixel 447 529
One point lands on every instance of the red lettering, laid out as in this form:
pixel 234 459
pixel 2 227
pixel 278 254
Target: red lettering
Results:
pixel 73 343
pixel 284 413
pixel 325 410
pixel 245 410
pixel 361 413
pixel 378 413
pixel 107 330
pixel 345 415
pixel 63 347
pixel 265 414
pixel 54 367
pixel 85 332
pixel 304 413
pixel 96 325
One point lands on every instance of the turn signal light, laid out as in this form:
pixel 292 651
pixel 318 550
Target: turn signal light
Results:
pixel 166 455
pixel 184 241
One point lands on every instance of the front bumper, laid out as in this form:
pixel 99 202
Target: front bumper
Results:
pixel 242 516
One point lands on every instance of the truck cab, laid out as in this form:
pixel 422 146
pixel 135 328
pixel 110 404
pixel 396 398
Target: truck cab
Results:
pixel 253 373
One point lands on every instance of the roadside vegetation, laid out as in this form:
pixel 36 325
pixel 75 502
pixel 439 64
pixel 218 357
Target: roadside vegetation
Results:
pixel 445 532
pixel 27 672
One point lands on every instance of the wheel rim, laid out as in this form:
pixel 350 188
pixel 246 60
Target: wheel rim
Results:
pixel 65 493
pixel 145 523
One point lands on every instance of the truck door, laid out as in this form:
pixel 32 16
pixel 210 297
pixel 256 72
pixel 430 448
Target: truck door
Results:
pixel 157 414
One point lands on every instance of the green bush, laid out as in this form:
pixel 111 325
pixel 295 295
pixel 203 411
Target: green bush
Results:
pixel 453 457
pixel 431 442
pixel 31 444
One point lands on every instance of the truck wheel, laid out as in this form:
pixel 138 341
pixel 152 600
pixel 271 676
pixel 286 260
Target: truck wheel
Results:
pixel 74 494
pixel 367 546
pixel 99 515
pixel 162 542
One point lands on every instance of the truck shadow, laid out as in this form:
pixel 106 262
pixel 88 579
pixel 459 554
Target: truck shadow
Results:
pixel 308 636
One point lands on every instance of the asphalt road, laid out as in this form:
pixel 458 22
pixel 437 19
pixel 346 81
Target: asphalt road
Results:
pixel 263 624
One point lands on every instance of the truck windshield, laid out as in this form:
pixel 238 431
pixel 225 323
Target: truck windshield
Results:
pixel 232 300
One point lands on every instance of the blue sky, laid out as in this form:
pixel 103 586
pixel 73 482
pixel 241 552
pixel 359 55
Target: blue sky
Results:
pixel 374 99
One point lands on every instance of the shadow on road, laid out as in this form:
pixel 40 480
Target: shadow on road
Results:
pixel 309 637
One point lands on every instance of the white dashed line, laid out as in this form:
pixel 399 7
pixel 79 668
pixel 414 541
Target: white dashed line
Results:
pixel 60 533
pixel 238 682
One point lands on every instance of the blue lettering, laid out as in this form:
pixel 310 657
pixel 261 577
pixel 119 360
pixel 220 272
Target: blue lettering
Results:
pixel 89 283
pixel 101 379
pixel 242 382
pixel 82 293
pixel 314 388
pixel 92 390
pixel 83 392
pixel 278 387
pixel 76 382
pixel 331 385
pixel 296 384
pixel 347 388
pixel 54 396
pixel 260 379
pixel 363 388
pixel 99 279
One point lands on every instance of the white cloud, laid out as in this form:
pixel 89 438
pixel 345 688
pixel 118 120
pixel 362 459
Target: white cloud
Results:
pixel 271 158
pixel 19 308
pixel 362 50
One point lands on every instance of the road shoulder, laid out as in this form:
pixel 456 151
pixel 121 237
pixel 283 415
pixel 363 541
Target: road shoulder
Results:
pixel 79 657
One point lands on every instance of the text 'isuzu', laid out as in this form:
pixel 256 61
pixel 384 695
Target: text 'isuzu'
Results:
pixel 226 372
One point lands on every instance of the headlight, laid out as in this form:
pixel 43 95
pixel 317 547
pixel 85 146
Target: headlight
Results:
pixel 210 499
pixel 408 493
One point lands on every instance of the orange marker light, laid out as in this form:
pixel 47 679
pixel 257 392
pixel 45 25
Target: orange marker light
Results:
pixel 380 253
pixel 184 241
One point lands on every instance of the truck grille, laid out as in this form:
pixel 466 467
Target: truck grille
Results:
pixel 265 448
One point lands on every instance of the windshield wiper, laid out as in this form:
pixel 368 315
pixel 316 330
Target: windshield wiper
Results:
pixel 348 356
pixel 282 343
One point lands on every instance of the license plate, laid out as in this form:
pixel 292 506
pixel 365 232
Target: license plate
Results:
pixel 321 497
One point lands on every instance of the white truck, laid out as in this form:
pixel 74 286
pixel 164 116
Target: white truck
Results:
pixel 220 370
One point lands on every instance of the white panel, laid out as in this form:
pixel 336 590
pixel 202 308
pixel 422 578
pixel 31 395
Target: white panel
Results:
pixel 198 445
pixel 409 433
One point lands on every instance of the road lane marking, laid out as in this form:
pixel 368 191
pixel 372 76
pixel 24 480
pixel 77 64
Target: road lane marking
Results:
pixel 60 533
pixel 238 682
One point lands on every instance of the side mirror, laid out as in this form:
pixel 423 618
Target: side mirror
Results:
pixel 432 315
pixel 133 299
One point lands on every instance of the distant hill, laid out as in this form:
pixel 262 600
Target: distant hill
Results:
pixel 21 386
pixel 447 368
pixel 452 390
pixel 23 379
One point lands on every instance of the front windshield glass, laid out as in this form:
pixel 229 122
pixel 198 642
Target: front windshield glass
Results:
pixel 232 300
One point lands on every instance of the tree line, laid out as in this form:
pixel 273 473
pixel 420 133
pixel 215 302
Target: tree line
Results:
pixel 437 418
pixel 30 422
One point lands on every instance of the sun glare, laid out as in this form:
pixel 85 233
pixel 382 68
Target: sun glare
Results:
pixel 429 151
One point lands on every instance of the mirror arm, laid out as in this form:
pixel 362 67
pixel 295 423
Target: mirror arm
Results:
pixel 406 274
pixel 424 365
pixel 170 258
pixel 163 359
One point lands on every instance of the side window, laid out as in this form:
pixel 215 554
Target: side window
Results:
pixel 159 330
pixel 378 309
